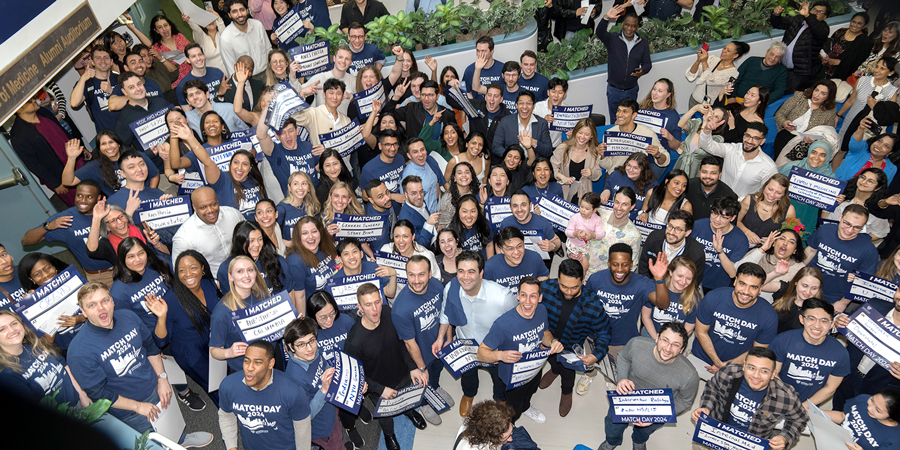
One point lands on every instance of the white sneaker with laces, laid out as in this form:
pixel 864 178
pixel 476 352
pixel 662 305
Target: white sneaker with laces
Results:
pixel 535 415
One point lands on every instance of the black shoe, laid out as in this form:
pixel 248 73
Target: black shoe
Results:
pixel 356 439
pixel 364 415
pixel 192 400
pixel 417 420
pixel 390 441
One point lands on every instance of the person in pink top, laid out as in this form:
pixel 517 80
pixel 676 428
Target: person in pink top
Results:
pixel 166 38
pixel 262 11
pixel 584 226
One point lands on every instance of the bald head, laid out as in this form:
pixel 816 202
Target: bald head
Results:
pixel 206 204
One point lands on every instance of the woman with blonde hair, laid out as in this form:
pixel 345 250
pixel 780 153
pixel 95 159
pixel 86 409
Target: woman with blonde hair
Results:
pixel 578 159
pixel 806 284
pixel 342 200
pixel 763 212
pixel 33 368
pixel 248 288
pixel 281 70
pixel 300 201
pixel 684 293
pixel 890 268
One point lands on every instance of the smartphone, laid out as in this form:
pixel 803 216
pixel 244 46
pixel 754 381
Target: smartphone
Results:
pixel 730 83
pixel 705 46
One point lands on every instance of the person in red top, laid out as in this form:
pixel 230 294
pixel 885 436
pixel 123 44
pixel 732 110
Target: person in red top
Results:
pixel 166 38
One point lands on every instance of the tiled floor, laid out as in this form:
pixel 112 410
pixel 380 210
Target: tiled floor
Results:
pixel 583 425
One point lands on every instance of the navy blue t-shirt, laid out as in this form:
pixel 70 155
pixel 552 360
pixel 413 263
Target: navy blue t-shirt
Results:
pixel 837 258
pixel 537 84
pixel 115 359
pixel 617 180
pixel 733 330
pixel 744 407
pixel 93 171
pixel 225 191
pixel 471 240
pixel 40 376
pixel 417 316
pixel 75 238
pixel 869 433
pixel 284 162
pixel 13 288
pixel 368 56
pixel 213 79
pixel 223 333
pixel 494 74
pixel 622 303
pixel 807 367
pixel 389 173
pixel 536 229
pixel 309 378
pixel 735 246
pixel 331 339
pixel 535 192
pixel 133 295
pixel 511 331
pixel 265 417
pixel 287 282
pixel 392 219
pixel 289 214
pixel 98 101
pixel 509 99
pixel 313 278
pixel 674 313
pixel 366 268
pixel 497 269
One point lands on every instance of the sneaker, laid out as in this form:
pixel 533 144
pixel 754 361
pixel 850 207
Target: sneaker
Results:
pixel 196 439
pixel 607 446
pixel 535 415
pixel 365 416
pixel 637 446
pixel 192 400
pixel 356 439
pixel 446 396
pixel 584 383
pixel 429 415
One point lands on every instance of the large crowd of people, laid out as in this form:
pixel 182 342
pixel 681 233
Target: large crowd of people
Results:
pixel 691 240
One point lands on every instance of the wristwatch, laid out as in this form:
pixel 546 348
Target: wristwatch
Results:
pixel 422 369
pixel 163 376
pixel 45 226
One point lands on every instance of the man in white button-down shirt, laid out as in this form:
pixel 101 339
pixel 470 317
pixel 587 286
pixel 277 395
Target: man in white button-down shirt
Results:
pixel 746 166
pixel 208 230
pixel 244 36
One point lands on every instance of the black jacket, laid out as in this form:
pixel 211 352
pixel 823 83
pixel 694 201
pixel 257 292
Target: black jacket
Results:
pixel 654 245
pixel 35 152
pixel 623 63
pixel 480 124
pixel 415 116
pixel 806 52
pixel 563 10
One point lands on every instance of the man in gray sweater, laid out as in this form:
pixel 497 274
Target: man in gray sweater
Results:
pixel 645 364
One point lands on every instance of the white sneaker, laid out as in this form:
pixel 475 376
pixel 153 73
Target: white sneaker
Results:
pixel 584 383
pixel 197 439
pixel 535 415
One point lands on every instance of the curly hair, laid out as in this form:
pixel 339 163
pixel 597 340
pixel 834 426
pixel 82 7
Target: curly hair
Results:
pixel 646 178
pixel 487 423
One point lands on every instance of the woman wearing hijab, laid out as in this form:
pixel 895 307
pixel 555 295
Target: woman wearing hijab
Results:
pixel 817 160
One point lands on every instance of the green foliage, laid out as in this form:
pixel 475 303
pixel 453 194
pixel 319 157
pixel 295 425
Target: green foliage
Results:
pixel 581 52
pixel 87 415
pixel 509 15
pixel 386 31
pixel 141 442
pixel 332 34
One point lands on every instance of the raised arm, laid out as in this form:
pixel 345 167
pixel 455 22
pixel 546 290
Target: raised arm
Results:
pixel 262 132
pixel 210 168
pixel 370 138
pixel 480 62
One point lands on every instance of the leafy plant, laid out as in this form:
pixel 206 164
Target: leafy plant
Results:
pixel 509 15
pixel 439 26
pixel 471 18
pixel 332 34
pixel 87 415
pixel 580 52
pixel 142 442
pixel 386 31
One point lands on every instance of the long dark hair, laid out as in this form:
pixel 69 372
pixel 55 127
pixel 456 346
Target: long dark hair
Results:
pixel 26 265
pixel 401 130
pixel 444 72
pixel 268 255
pixel 474 185
pixel 646 178
pixel 481 225
pixel 764 92
pixel 519 176
pixel 461 140
pixel 880 192
pixel 183 147
pixel 107 170
pixel 156 37
pixel 655 200
pixel 122 273
pixel 290 4
pixel 196 311
pixel 343 176
pixel 255 175
pixel 226 133
pixel 542 159
pixel 799 252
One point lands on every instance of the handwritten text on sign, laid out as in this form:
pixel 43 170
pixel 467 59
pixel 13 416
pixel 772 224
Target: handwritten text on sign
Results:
pixel 343 289
pixel 720 436
pixel 151 130
pixel 815 189
pixel 520 373
pixel 265 320
pixel 874 335
pixel 345 390
pixel 313 58
pixel 624 144
pixel 41 309
pixel 566 117
pixel 460 356
pixel 867 287
pixel 345 139
pixel 164 213
pixel 644 405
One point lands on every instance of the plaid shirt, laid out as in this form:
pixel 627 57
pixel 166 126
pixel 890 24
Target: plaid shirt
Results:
pixel 781 402
pixel 587 319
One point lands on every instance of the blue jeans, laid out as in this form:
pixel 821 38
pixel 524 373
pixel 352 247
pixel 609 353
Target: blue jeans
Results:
pixel 141 424
pixel 469 382
pixel 614 96
pixel 615 431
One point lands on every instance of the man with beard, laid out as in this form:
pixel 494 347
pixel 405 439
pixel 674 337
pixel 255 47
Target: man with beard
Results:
pixel 673 242
pixel 707 187
pixel 417 114
pixel 379 204
pixel 626 113
pixel 134 63
pixel 731 321
pixel 574 314
pixel 72 227
pixel 416 315
pixel 209 229
pixel 415 210
pixel 387 167
pixel 644 364
pixel 746 166
pixel 619 228
pixel 244 36
pixel 139 106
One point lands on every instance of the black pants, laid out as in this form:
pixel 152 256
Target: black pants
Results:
pixel 781 140
pixel 542 16
pixel 566 375
pixel 519 399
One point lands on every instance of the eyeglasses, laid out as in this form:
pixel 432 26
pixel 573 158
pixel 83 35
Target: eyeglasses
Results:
pixel 676 229
pixel 308 344
pixel 762 370
pixel 389 145
pixel 868 180
pixel 822 320
pixel 114 221
pixel 819 11
pixel 753 138
pixel 330 316
pixel 851 226
pixel 357 38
